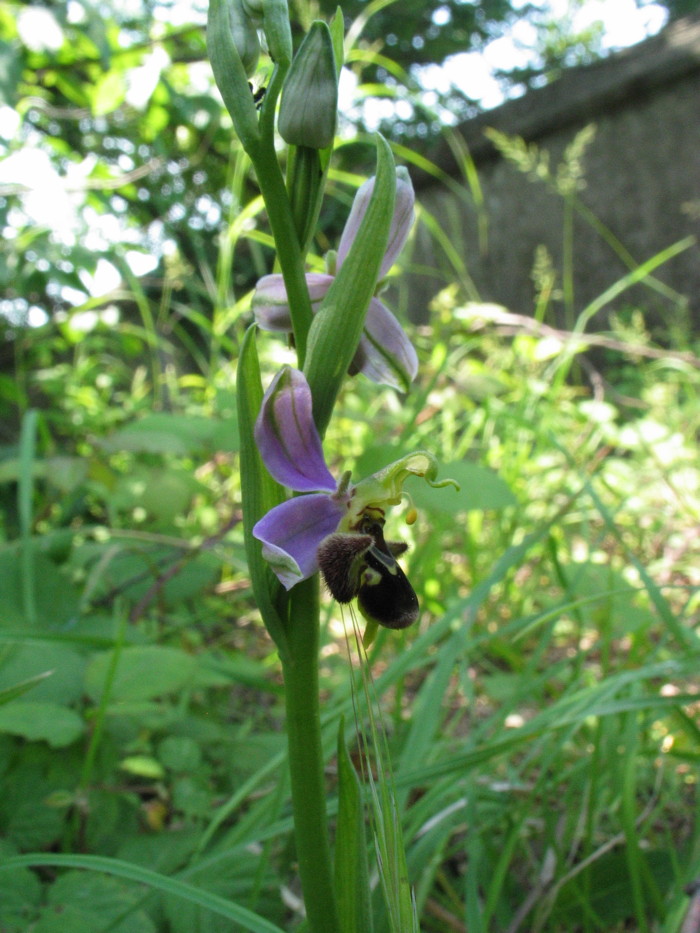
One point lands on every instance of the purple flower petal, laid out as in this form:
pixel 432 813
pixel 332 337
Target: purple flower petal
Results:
pixel 401 222
pixel 318 284
pixel 352 224
pixel 287 437
pixel 292 532
pixel 385 354
pixel 270 304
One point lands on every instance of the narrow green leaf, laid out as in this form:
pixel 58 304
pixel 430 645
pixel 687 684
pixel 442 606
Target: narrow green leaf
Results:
pixel 260 493
pixel 337 28
pixel 631 278
pixel 352 885
pixel 218 905
pixel 389 843
pixel 337 327
pixel 17 690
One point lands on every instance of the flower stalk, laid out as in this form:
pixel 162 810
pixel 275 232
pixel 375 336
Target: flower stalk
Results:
pixel 340 327
pixel 306 764
pixel 289 252
pixel 256 133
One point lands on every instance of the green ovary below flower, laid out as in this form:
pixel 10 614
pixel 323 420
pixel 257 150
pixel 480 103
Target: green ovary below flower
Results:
pixel 336 527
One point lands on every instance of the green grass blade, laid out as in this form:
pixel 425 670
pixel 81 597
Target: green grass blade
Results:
pixel 352 885
pixel 171 886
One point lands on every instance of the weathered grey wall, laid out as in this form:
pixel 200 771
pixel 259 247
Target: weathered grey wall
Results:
pixel 642 174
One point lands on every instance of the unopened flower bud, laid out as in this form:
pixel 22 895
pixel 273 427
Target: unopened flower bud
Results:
pixel 310 94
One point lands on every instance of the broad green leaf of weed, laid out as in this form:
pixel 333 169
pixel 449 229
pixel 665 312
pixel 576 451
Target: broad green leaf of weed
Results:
pixel 54 671
pixel 180 754
pixel 480 488
pixel 173 434
pixel 143 673
pixel 140 569
pixel 190 893
pixel 32 823
pixel 97 900
pixel 164 492
pixel 20 895
pixel 55 600
pixel 47 722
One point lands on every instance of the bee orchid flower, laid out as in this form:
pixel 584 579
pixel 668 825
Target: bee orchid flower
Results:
pixel 385 354
pixel 332 525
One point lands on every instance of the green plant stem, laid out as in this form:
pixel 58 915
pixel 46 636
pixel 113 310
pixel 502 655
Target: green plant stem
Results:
pixel 25 495
pixel 291 260
pixel 306 759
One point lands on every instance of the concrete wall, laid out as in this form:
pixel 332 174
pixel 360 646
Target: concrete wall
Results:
pixel 642 181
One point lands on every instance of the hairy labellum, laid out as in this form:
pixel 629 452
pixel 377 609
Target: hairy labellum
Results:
pixel 362 564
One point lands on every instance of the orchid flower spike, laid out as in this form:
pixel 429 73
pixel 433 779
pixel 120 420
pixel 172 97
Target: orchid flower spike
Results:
pixel 385 354
pixel 334 526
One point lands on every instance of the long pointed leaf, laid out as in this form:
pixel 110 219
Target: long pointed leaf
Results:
pixel 337 327
pixel 243 917
pixel 352 886
pixel 260 493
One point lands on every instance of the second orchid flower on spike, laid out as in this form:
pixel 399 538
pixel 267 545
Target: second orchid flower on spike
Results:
pixel 385 354
pixel 337 527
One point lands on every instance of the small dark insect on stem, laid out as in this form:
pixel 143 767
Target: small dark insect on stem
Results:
pixel 258 94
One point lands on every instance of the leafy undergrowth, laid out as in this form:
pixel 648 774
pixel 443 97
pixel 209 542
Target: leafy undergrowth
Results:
pixel 542 716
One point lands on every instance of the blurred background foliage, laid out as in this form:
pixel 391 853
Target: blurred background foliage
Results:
pixel 543 715
pixel 115 144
